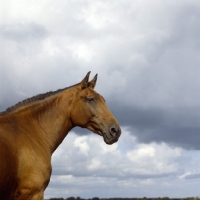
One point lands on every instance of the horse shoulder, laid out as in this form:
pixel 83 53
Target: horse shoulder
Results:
pixel 26 167
pixel 8 165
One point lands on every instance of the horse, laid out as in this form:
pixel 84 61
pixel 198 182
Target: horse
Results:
pixel 31 131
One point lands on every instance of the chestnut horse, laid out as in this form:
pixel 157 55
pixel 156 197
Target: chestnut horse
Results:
pixel 31 131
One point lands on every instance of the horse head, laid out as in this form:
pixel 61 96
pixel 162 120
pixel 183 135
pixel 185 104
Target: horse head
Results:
pixel 89 111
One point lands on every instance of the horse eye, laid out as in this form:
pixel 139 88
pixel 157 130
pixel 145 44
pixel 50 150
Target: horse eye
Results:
pixel 90 99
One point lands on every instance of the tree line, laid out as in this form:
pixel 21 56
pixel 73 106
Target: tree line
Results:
pixel 144 198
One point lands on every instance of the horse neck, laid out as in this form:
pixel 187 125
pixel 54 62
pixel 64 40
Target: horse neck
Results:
pixel 50 121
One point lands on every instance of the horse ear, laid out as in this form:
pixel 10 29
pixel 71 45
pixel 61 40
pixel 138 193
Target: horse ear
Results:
pixel 84 82
pixel 92 83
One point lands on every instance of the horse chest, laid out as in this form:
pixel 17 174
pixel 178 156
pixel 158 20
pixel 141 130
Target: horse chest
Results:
pixel 34 171
pixel 33 162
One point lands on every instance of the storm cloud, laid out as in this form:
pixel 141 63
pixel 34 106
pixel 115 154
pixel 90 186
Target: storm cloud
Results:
pixel 146 54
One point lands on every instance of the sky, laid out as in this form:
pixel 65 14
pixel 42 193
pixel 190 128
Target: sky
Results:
pixel 146 54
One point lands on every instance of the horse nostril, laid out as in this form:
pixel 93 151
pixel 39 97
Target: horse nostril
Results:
pixel 113 131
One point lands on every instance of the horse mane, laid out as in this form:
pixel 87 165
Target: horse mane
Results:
pixel 33 99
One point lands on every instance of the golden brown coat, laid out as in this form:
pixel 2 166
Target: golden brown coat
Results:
pixel 32 130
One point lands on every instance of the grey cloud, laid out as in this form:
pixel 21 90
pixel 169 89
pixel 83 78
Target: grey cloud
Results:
pixel 192 176
pixel 188 29
pixel 106 173
pixel 177 127
pixel 23 31
pixel 148 64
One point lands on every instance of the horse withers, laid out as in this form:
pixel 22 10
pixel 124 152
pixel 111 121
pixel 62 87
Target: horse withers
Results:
pixel 31 130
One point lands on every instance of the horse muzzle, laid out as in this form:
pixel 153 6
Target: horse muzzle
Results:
pixel 112 135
